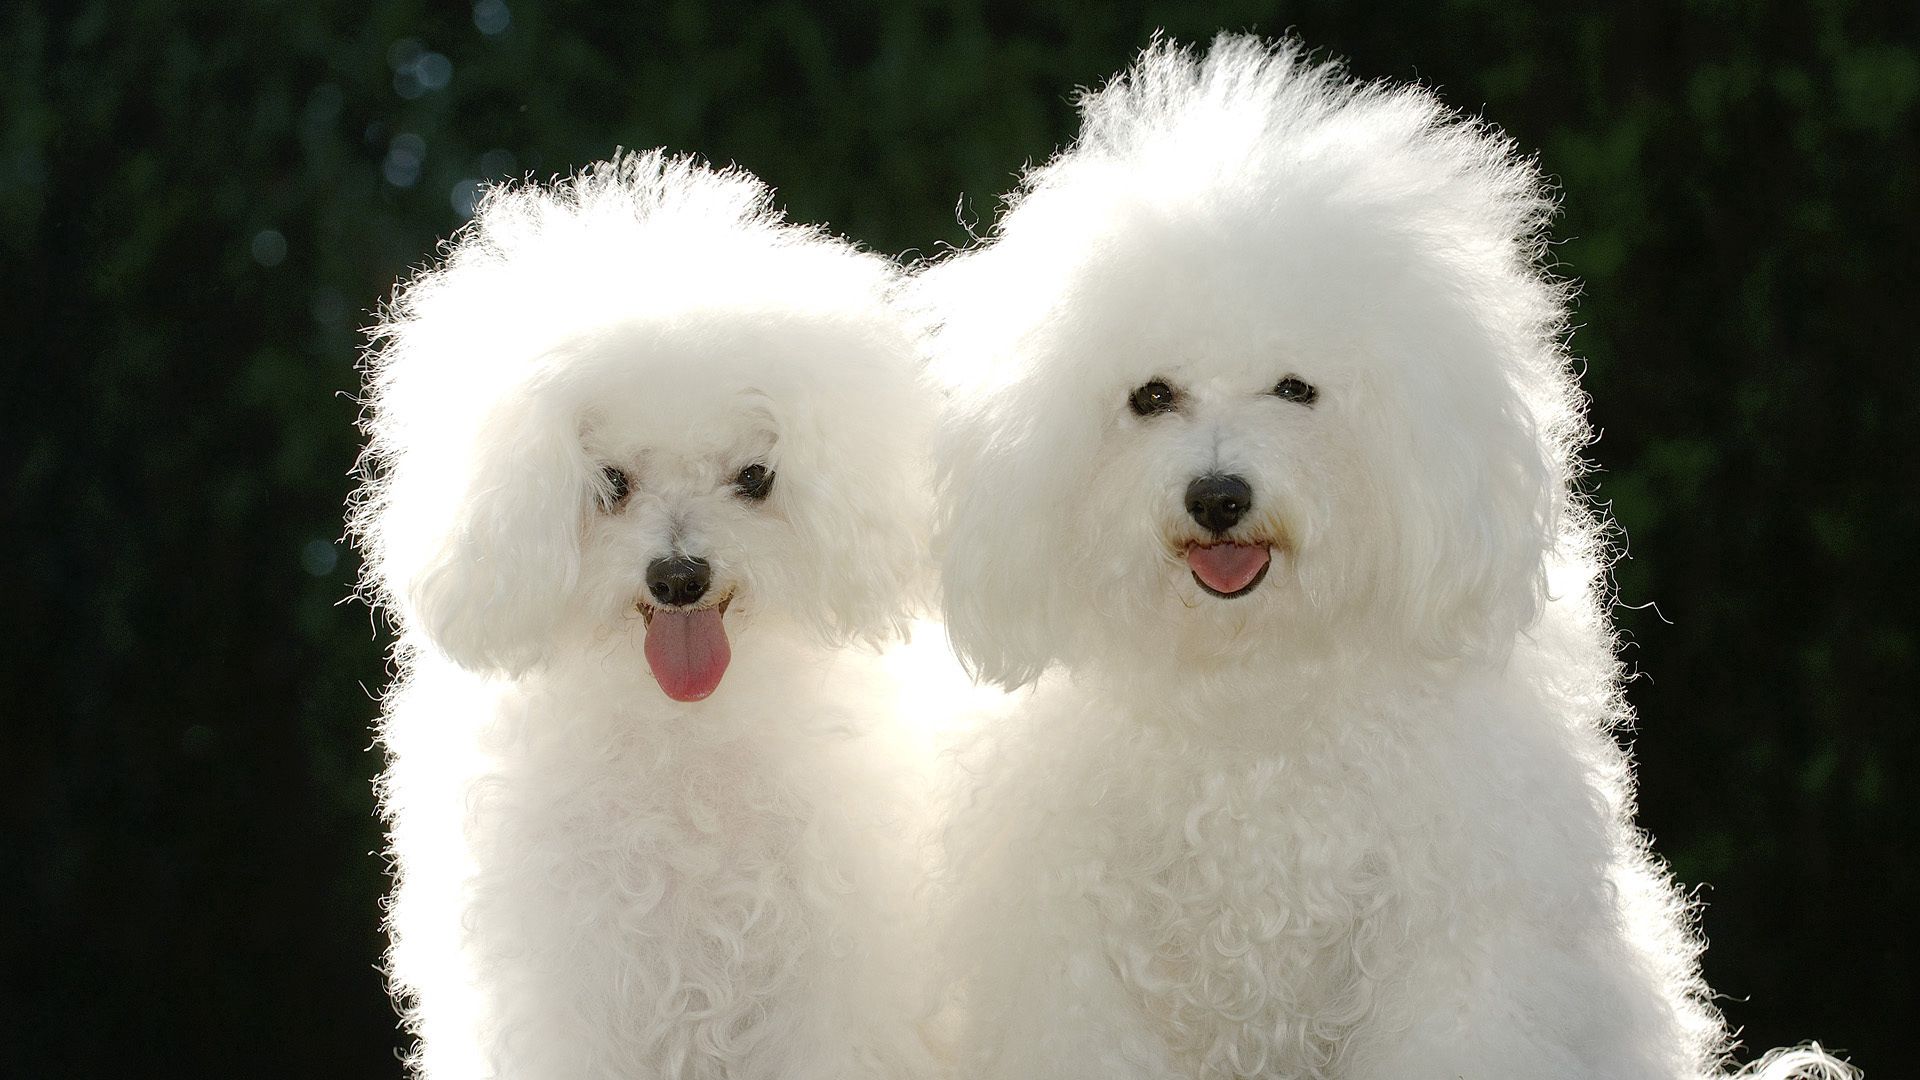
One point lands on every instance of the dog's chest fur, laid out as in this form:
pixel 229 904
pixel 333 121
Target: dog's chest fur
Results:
pixel 1244 894
pixel 684 888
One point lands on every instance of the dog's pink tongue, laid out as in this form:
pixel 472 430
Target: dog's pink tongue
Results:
pixel 688 652
pixel 1227 568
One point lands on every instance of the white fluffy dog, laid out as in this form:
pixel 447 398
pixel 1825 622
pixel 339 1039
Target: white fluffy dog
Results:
pixel 642 457
pixel 1265 437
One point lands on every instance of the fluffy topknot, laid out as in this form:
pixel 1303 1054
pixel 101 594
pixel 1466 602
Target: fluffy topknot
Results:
pixel 643 236
pixel 1252 130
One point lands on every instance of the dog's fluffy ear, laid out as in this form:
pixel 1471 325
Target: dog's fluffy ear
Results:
pixel 855 490
pixel 1475 499
pixel 1006 469
pixel 997 530
pixel 1009 449
pixel 503 566
pixel 474 536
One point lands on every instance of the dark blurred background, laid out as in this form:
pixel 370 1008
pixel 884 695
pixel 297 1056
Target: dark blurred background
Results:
pixel 198 210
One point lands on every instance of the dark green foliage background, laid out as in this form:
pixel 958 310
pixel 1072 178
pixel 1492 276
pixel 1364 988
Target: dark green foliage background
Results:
pixel 190 874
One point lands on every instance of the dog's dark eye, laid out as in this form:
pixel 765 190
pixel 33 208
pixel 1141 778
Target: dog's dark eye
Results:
pixel 613 487
pixel 754 482
pixel 1151 398
pixel 1297 390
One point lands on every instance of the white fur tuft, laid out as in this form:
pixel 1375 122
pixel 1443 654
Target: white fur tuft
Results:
pixel 1807 1062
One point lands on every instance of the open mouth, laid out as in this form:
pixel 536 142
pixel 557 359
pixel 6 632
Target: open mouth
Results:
pixel 1229 570
pixel 687 648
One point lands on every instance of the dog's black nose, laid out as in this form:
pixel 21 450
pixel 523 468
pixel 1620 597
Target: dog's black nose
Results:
pixel 1218 502
pixel 678 581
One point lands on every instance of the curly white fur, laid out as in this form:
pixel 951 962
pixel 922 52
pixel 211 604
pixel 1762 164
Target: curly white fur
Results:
pixel 594 880
pixel 1368 820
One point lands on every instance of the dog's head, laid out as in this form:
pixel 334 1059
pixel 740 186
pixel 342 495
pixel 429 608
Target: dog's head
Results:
pixel 638 406
pixel 1262 363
